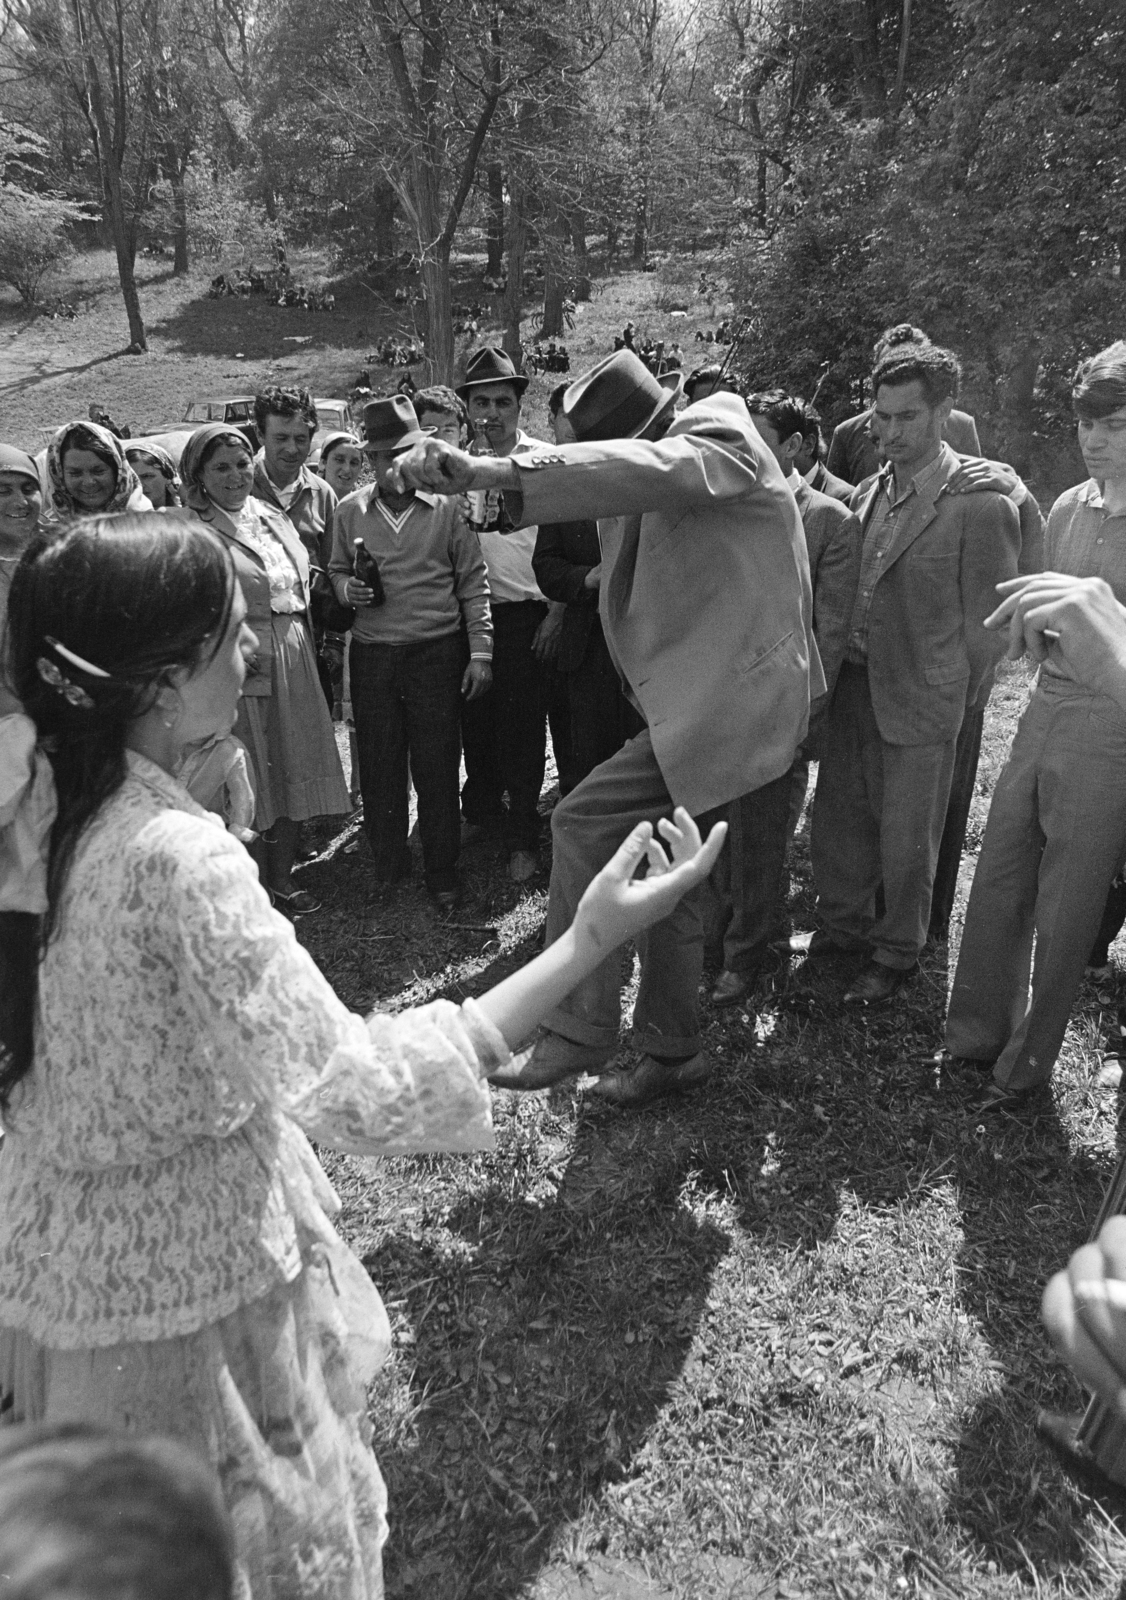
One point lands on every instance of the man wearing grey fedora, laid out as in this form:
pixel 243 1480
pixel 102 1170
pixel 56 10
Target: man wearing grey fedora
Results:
pixel 706 608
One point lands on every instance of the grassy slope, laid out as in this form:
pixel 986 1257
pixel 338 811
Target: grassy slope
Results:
pixel 781 1340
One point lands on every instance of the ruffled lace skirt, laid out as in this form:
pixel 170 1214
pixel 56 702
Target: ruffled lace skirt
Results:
pixel 274 1397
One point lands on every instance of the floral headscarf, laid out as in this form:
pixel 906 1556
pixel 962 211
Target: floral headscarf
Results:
pixel 163 460
pixel 191 462
pixel 127 494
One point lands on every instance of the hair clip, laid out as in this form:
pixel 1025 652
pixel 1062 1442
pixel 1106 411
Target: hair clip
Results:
pixel 71 692
pixel 75 660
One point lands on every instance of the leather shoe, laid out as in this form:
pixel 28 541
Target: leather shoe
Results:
pixel 732 987
pixel 551 1059
pixel 522 865
pixel 877 982
pixel 651 1080
pixel 445 900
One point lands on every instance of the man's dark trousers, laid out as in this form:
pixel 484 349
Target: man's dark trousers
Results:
pixel 505 731
pixel 406 701
pixel 586 829
pixel 743 897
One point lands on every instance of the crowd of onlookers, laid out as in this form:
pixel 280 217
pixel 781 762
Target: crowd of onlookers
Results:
pixel 394 580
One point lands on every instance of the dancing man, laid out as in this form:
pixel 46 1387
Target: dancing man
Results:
pixel 706 608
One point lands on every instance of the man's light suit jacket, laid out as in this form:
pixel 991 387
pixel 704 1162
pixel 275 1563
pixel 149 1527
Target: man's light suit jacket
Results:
pixel 705 595
pixel 928 653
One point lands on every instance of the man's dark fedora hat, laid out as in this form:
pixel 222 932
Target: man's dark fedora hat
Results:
pixel 490 365
pixel 391 425
pixel 618 399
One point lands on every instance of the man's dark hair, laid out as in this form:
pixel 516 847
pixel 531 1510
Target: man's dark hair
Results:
pixel 701 375
pixel 811 422
pixel 284 403
pixel 783 411
pixel 1099 384
pixel 939 371
pixel 555 399
pixel 441 399
pixel 899 334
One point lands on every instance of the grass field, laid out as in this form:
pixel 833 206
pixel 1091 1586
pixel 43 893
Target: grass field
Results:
pixel 780 1340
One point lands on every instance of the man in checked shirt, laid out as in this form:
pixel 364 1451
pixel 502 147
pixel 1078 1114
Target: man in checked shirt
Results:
pixel 917 656
pixel 1056 833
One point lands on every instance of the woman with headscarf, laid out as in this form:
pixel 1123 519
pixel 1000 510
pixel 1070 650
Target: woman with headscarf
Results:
pixel 342 463
pixel 157 472
pixel 21 505
pixel 89 474
pixel 283 720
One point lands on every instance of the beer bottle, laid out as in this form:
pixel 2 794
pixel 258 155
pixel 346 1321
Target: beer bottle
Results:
pixel 366 571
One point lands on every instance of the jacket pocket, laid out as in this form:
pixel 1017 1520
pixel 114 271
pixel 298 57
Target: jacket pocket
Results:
pixel 952 672
pixel 756 661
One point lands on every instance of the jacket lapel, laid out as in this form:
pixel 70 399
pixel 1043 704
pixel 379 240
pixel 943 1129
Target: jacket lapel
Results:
pixel 863 506
pixel 921 510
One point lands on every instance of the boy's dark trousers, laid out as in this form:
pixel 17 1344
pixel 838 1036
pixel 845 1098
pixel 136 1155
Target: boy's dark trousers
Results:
pixel 406 702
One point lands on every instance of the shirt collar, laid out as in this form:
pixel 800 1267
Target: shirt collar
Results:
pixel 811 474
pixel 923 478
pixel 1091 494
pixel 793 478
pixel 299 483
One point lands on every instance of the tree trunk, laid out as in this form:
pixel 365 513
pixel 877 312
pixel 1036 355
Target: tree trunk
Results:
pixel 494 227
pixel 439 315
pixel 384 206
pixel 514 289
pixel 124 241
pixel 177 174
pixel 641 212
pixel 582 262
pixel 554 291
pixel 1020 410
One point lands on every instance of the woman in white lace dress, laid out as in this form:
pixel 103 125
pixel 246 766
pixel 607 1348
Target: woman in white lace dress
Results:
pixel 167 1259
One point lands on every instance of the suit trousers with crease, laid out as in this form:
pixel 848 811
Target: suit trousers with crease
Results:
pixel 586 829
pixel 1055 838
pixel 742 899
pixel 878 815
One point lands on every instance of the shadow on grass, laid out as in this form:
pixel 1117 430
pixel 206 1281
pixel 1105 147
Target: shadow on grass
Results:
pixel 546 1336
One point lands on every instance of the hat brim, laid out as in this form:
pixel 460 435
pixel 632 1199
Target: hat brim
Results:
pixel 416 436
pixel 519 382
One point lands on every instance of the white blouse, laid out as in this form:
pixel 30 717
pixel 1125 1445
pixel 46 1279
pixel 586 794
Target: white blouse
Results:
pixel 155 1175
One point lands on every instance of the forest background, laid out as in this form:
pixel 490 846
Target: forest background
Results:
pixel 830 165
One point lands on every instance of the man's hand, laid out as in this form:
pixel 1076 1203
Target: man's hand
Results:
pixel 440 469
pixel 593 577
pixel 476 680
pixel 975 475
pixel 1084 1310
pixel 1074 620
pixel 546 639
pixel 357 593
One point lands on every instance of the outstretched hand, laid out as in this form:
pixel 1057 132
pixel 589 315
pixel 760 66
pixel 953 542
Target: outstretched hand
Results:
pixel 1084 1309
pixel 434 466
pixel 617 904
pixel 1076 620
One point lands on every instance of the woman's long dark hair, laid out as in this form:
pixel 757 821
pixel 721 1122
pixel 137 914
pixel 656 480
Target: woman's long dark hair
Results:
pixel 139 596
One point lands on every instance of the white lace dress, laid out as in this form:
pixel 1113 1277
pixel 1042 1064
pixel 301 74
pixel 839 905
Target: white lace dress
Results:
pixel 167 1263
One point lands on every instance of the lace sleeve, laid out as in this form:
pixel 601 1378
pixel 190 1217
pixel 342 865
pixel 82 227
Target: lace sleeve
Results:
pixel 271 1026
